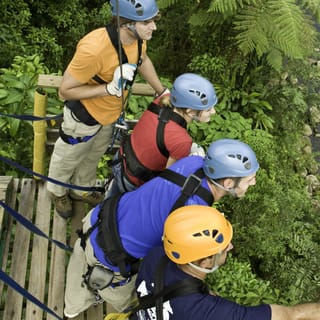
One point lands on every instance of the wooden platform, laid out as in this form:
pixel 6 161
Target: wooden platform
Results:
pixel 34 262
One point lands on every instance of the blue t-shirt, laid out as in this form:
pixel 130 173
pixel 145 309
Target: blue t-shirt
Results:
pixel 141 213
pixel 193 306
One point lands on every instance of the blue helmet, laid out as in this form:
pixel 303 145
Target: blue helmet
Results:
pixel 229 158
pixel 192 91
pixel 136 10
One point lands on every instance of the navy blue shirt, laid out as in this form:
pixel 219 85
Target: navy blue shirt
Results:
pixel 194 306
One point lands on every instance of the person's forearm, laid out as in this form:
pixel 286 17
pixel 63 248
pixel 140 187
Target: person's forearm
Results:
pixel 149 73
pixel 307 311
pixel 85 91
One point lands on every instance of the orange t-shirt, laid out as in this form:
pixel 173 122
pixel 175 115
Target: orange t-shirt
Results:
pixel 96 55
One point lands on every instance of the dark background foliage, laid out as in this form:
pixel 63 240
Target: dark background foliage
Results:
pixel 258 55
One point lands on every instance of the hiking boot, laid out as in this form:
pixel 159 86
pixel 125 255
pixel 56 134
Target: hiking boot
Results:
pixel 70 316
pixel 92 198
pixel 63 205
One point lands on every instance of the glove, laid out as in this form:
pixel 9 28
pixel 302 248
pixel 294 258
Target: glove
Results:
pixel 158 97
pixel 197 150
pixel 114 87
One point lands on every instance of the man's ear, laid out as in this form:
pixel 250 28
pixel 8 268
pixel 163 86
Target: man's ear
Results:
pixel 206 262
pixel 228 183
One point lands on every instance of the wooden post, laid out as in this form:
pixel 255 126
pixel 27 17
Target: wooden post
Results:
pixel 39 129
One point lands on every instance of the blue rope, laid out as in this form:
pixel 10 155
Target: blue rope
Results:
pixel 67 185
pixel 33 228
pixel 13 284
pixel 30 117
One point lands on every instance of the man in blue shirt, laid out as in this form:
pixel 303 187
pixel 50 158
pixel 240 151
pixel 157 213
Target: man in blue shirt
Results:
pixel 197 240
pixel 137 220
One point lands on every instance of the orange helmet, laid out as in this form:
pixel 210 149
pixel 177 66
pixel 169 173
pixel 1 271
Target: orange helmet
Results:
pixel 195 232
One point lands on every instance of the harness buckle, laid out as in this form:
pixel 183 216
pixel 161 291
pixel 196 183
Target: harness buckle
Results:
pixel 164 114
pixel 191 185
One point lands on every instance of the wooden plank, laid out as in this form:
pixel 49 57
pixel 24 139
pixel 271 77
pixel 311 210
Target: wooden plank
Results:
pixel 57 267
pixel 5 186
pixel 7 240
pixel 5 190
pixel 95 312
pixel 39 260
pixel 13 310
pixel 52 81
pixel 79 209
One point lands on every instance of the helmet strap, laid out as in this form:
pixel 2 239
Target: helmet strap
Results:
pixel 205 270
pixel 133 29
pixel 230 191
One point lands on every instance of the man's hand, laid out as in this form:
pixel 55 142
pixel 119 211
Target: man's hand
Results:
pixel 197 150
pixel 116 86
pixel 158 97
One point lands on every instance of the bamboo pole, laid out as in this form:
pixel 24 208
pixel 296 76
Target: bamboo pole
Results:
pixel 39 129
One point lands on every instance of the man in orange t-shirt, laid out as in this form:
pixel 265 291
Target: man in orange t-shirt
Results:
pixel 93 87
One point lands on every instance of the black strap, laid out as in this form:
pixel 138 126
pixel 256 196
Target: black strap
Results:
pixel 175 117
pixel 108 238
pixel 75 140
pixel 113 35
pixel 159 286
pixel 165 114
pixel 190 186
pixel 133 164
pixel 164 293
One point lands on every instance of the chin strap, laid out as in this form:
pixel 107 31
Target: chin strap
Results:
pixel 205 270
pixel 133 29
pixel 230 191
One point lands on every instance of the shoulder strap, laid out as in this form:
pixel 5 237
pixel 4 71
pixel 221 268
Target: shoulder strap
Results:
pixel 164 293
pixel 113 35
pixel 164 115
pixel 108 238
pixel 191 185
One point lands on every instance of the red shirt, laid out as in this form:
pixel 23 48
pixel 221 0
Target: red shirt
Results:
pixel 143 139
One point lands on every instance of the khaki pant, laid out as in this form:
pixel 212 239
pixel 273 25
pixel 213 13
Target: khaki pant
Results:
pixel 77 164
pixel 78 297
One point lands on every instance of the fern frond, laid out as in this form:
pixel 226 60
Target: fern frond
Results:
pixel 251 23
pixel 226 7
pixel 313 6
pixel 278 27
pixel 274 59
pixel 202 18
pixel 166 3
pixel 230 7
pixel 287 19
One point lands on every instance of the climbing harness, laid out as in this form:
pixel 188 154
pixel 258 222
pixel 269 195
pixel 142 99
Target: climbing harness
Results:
pixel 108 237
pixel 130 161
pixel 165 114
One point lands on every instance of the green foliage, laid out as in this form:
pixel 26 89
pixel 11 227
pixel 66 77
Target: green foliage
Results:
pixel 237 88
pixel 236 281
pixel 17 87
pixel 277 233
pixel 47 28
pixel 255 53
pixel 138 104
pixel 272 29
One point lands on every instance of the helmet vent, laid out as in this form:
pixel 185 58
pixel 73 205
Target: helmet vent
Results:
pixel 244 160
pixel 213 233
pixel 137 6
pixel 202 96
pixel 175 254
